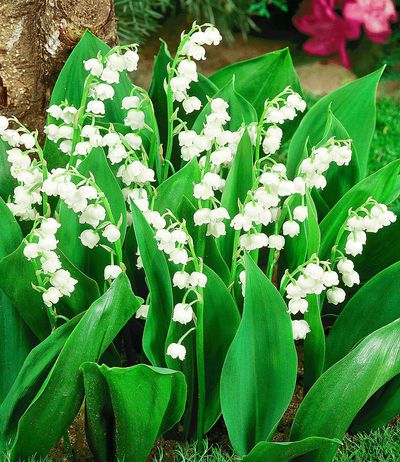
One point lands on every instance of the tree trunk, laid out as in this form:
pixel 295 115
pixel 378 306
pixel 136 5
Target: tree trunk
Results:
pixel 36 37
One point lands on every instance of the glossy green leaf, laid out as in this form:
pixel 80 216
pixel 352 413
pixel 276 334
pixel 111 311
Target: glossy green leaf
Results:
pixel 260 369
pixel 7 182
pixel 11 235
pixel 238 182
pixel 16 277
pixel 29 380
pixel 92 261
pixel 61 395
pixel 160 288
pixel 381 185
pixel 354 106
pixel 260 78
pixel 240 110
pixel 380 409
pixel 375 305
pixel 288 451
pixel 127 408
pixel 17 341
pixel 170 194
pixel 332 403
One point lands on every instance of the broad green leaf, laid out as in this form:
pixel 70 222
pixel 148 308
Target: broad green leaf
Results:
pixel 127 409
pixel 11 235
pixel 354 106
pixel 92 261
pixel 375 305
pixel 238 182
pixel 381 185
pixel 221 320
pixel 260 78
pixel 332 403
pixel 286 452
pixel 16 277
pixel 259 373
pixel 160 289
pixel 17 341
pixel 240 110
pixel 7 182
pixel 30 378
pixel 170 194
pixel 61 395
pixel 339 178
pixel 380 409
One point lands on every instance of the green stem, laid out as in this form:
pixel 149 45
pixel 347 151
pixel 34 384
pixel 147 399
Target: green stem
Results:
pixel 45 175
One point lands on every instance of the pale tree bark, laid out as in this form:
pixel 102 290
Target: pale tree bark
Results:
pixel 36 37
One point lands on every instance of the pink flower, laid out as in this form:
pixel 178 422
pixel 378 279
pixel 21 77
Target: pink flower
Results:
pixel 329 31
pixel 375 15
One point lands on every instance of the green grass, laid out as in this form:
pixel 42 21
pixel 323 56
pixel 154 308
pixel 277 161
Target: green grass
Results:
pixel 381 445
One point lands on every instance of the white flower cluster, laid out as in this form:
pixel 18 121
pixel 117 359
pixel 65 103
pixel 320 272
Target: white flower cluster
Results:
pixel 84 199
pixel 63 132
pixel 55 282
pixel 277 111
pixel 27 171
pixel 370 222
pixel 213 135
pixel 313 167
pixel 264 206
pixel 184 71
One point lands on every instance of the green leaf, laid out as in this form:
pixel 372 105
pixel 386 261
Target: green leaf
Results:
pixel 170 194
pixel 16 277
pixel 381 185
pixel 61 395
pixel 7 182
pixel 375 305
pixel 92 261
pixel 17 342
pixel 160 289
pixel 286 452
pixel 11 235
pixel 30 378
pixel 332 403
pixel 380 409
pixel 128 408
pixel 354 106
pixel 238 182
pixel 260 369
pixel 240 110
pixel 221 320
pixel 260 78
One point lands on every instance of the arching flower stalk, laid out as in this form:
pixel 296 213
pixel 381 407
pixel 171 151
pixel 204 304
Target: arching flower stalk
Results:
pixel 182 72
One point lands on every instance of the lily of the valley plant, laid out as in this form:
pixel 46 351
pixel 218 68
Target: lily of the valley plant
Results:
pixel 167 255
